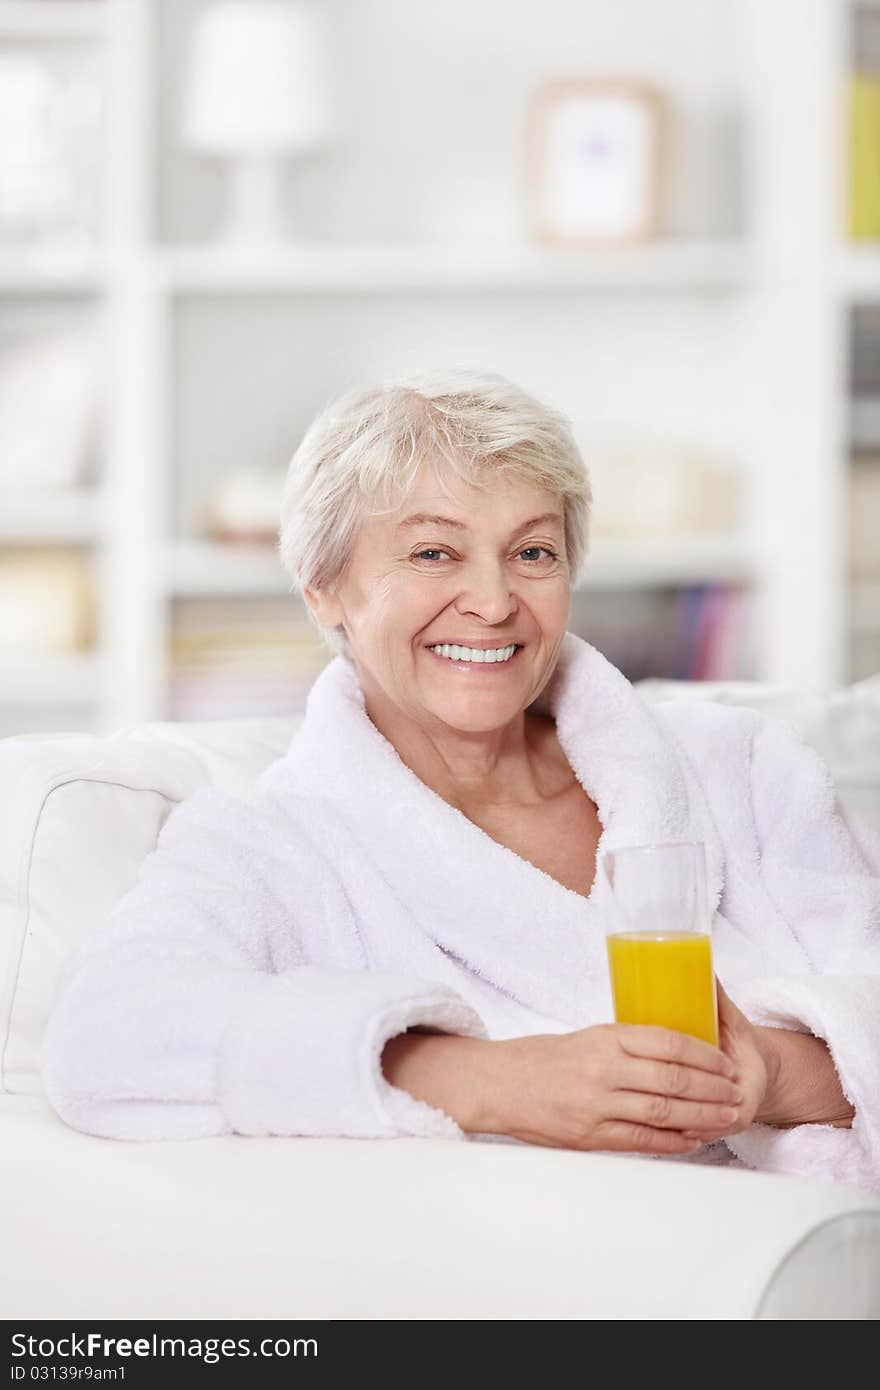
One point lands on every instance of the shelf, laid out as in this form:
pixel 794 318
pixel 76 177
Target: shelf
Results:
pixel 668 561
pixel 51 679
pixel 713 266
pixel 52 271
pixel 53 19
pixel 198 569
pixel 52 517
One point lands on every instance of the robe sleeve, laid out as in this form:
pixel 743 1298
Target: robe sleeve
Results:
pixel 823 886
pixel 173 1023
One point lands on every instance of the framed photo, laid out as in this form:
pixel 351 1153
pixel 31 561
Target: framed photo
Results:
pixel 595 151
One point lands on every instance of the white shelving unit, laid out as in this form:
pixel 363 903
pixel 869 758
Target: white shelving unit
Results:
pixel 790 283
pixel 76 679
pixel 688 266
pixel 71 517
pixel 672 561
pixel 200 568
pixel 52 274
pixel 52 19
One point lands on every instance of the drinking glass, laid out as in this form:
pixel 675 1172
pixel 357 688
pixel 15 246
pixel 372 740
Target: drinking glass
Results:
pixel 658 936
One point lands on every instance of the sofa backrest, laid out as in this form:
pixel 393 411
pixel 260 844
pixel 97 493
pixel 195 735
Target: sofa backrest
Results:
pixel 80 813
pixel 843 727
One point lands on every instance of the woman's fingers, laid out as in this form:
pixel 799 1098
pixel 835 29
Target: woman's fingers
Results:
pixel 667 1045
pixel 676 1079
pixel 670 1080
pixel 667 1112
pixel 620 1136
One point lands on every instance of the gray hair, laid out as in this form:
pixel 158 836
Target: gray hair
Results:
pixel 361 454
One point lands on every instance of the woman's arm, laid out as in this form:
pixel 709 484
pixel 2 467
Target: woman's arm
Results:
pixel 612 1087
pixel 823 1022
pixel 787 1077
pixel 174 1023
pixel 460 1075
pixel 444 1070
pixel 802 1082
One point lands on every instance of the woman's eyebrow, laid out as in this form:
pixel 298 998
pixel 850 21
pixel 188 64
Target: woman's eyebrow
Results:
pixel 428 519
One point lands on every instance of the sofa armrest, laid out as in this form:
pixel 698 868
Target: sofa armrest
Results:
pixel 237 1227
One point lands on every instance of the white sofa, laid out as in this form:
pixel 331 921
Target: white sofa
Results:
pixel 240 1227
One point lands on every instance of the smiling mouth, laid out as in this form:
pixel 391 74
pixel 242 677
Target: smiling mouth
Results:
pixel 481 658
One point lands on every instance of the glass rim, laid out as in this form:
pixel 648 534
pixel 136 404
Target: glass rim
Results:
pixel 626 874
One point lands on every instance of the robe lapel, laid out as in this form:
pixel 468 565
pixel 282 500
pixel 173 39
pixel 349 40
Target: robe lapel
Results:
pixel 481 903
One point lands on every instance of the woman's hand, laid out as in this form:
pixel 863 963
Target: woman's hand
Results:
pixel 619 1087
pixel 788 1077
pixel 743 1042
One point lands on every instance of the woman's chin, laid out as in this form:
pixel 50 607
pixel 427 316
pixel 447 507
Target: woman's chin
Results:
pixel 477 699
pixel 475 715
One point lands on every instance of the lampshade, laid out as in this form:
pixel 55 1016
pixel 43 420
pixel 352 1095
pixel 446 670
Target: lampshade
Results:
pixel 256 83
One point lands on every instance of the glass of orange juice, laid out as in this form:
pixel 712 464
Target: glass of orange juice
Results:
pixel 658 935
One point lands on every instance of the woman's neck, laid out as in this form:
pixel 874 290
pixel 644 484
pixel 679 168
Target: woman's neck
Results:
pixel 519 765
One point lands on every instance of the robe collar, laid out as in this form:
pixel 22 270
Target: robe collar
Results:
pixel 481 903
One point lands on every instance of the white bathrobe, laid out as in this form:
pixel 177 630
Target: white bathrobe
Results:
pixel 273 943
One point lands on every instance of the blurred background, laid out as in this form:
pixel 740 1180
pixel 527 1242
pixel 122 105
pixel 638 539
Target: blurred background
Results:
pixel 661 216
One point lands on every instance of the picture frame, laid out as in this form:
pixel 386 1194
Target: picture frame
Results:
pixel 595 155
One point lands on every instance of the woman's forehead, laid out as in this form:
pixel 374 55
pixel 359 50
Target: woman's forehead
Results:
pixel 446 494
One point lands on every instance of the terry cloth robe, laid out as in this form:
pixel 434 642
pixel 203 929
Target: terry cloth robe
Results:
pixel 274 942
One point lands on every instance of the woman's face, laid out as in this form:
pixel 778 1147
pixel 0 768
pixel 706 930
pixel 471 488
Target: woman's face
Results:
pixel 478 569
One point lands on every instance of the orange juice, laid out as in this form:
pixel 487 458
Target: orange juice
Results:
pixel 665 979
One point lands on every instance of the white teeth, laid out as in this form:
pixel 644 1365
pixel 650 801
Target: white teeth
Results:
pixel 478 654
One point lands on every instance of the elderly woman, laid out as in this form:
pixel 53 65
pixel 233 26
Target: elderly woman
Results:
pixel 399 929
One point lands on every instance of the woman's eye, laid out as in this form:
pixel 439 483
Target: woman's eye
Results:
pixel 533 553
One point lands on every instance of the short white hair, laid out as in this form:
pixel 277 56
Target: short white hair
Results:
pixel 363 451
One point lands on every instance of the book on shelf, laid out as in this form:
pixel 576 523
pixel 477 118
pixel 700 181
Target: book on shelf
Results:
pixel 241 657
pixel 863 209
pixel 864 517
pixel 864 156
pixel 696 632
pixel 48 601
pixel 720 647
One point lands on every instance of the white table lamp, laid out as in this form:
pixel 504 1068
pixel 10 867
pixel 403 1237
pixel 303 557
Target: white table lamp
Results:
pixel 256 91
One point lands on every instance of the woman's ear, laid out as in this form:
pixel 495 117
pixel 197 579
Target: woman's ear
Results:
pixel 325 605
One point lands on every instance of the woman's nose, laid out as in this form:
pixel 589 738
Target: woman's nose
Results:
pixel 487 593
